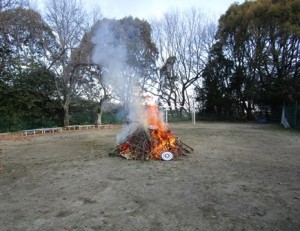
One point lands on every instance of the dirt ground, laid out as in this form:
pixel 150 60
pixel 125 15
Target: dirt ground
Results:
pixel 240 177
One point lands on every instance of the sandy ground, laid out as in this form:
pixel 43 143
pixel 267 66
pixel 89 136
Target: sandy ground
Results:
pixel 240 177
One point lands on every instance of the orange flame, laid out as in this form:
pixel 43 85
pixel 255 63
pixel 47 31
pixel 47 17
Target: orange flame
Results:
pixel 124 148
pixel 162 138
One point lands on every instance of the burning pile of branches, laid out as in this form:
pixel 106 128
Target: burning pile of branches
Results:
pixel 151 144
pixel 154 141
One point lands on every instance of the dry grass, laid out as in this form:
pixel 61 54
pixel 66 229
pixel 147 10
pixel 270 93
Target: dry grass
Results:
pixel 240 177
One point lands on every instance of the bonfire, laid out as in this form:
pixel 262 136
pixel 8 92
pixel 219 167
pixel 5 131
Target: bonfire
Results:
pixel 151 140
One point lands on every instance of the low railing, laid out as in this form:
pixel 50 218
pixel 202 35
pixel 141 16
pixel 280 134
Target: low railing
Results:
pixel 86 127
pixel 67 128
pixel 41 130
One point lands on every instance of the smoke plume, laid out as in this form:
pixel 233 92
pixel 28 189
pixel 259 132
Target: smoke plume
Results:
pixel 110 52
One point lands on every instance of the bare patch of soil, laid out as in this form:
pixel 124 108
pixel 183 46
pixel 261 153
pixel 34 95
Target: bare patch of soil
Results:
pixel 240 177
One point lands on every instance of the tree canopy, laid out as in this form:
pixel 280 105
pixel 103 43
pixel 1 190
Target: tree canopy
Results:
pixel 25 84
pixel 255 61
pixel 125 52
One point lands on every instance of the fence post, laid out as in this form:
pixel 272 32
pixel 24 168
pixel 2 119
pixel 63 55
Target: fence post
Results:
pixel 166 115
pixel 194 112
pixel 296 109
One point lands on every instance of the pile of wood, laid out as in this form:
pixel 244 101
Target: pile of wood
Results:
pixel 142 145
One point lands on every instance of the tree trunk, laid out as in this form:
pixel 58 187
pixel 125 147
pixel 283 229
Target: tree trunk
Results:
pixel 249 114
pixel 170 108
pixel 66 115
pixel 249 111
pixel 99 117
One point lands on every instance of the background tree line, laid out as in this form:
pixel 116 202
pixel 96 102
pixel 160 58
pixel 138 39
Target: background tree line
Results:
pixel 246 63
pixel 254 63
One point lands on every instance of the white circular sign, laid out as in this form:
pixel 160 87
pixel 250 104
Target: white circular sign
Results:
pixel 167 156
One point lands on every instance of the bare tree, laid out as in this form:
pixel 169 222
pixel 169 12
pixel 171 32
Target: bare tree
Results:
pixel 185 39
pixel 69 23
pixel 91 85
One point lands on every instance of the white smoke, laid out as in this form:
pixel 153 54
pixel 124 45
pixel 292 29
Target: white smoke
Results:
pixel 110 53
pixel 111 56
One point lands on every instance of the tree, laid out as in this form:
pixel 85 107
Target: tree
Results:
pixel 215 93
pixel 279 48
pixel 25 41
pixel 168 83
pixel 91 84
pixel 125 53
pixel 68 21
pixel 186 38
pixel 260 40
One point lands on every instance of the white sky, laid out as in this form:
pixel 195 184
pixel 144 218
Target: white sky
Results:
pixel 147 9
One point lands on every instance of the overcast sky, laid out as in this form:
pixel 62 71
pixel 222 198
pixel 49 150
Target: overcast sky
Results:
pixel 147 9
